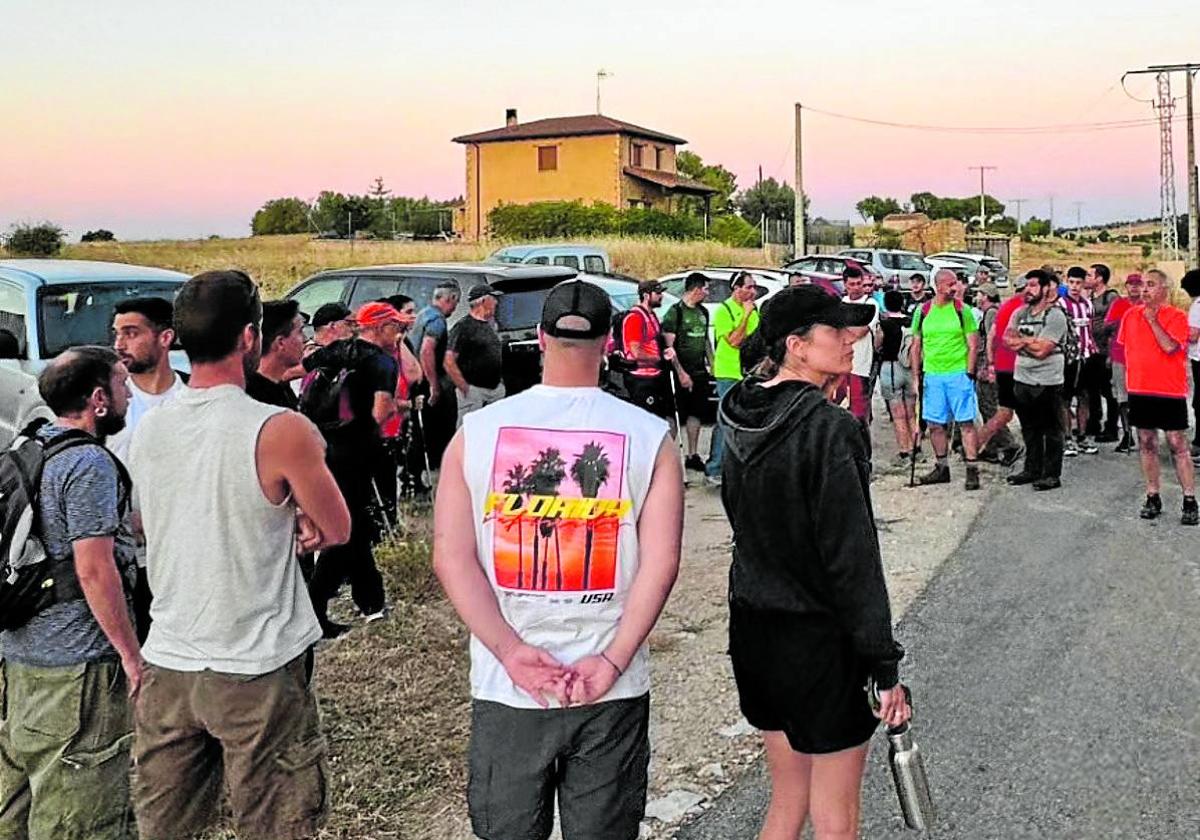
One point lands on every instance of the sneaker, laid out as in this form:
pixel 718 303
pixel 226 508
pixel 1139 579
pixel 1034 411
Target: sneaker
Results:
pixel 712 480
pixel 332 629
pixel 1010 456
pixel 1021 478
pixel 972 482
pixel 938 475
pixel 1125 446
pixel 1087 447
pixel 376 616
pixel 1191 513
pixel 1070 450
pixel 694 462
pixel 1152 508
pixel 1047 483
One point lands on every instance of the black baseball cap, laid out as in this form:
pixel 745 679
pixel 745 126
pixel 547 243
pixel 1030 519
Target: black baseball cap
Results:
pixel 481 291
pixel 646 287
pixel 803 306
pixel 328 313
pixel 576 309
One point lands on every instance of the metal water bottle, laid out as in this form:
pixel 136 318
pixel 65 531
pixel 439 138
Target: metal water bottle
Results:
pixel 908 769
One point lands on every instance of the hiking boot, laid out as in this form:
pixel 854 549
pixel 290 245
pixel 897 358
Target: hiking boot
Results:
pixel 972 482
pixel 1021 478
pixel 1010 456
pixel 1047 483
pixel 694 462
pixel 1191 513
pixel 1152 508
pixel 1125 446
pixel 1070 450
pixel 1087 447
pixel 938 475
pixel 989 457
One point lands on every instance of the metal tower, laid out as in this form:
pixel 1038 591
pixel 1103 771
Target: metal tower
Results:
pixel 1164 107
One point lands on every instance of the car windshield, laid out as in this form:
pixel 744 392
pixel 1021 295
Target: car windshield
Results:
pixel 994 266
pixel 70 315
pixel 903 262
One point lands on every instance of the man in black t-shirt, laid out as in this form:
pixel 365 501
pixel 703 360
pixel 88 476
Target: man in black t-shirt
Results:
pixel 474 354
pixel 685 329
pixel 369 401
pixel 282 350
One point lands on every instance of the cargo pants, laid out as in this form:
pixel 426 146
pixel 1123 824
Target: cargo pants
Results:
pixel 65 736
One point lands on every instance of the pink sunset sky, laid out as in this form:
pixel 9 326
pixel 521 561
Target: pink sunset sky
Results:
pixel 173 119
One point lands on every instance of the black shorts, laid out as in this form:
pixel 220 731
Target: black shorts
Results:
pixel 1004 390
pixel 1095 377
pixel 595 759
pixel 652 393
pixel 699 401
pixel 1071 382
pixel 800 676
pixel 1170 414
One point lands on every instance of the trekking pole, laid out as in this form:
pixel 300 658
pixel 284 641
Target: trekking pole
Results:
pixel 387 522
pixel 916 441
pixel 418 411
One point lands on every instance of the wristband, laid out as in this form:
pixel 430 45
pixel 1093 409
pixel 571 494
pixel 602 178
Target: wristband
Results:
pixel 604 656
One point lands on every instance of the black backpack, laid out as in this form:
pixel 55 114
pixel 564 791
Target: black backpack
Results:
pixel 30 580
pixel 324 391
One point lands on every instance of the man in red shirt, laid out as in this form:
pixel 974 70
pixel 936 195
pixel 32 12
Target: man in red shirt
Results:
pixel 646 351
pixel 1155 335
pixel 1116 354
pixel 999 370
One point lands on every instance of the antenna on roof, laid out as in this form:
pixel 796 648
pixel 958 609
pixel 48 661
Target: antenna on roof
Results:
pixel 601 74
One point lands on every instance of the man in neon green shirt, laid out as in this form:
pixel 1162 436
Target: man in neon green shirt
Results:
pixel 945 343
pixel 736 319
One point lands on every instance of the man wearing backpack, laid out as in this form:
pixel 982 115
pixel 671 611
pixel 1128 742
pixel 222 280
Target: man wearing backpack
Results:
pixel 1097 373
pixel 996 443
pixel 646 355
pixel 735 321
pixel 944 347
pixel 685 327
pixel 997 372
pixel 70 673
pixel 228 711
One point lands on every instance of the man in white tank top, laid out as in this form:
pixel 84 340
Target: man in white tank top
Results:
pixel 227 698
pixel 556 536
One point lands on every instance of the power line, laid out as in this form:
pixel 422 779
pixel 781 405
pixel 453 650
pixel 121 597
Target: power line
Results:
pixel 1111 125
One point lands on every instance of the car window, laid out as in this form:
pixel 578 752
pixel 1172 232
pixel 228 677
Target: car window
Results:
pixel 567 260
pixel 539 261
pixel 903 262
pixel 675 286
pixel 316 294
pixel 520 310
pixel 594 264
pixel 995 265
pixel 13 315
pixel 73 314
pixel 368 289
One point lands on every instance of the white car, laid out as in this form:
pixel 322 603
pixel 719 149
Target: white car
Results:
pixel 971 263
pixel 768 281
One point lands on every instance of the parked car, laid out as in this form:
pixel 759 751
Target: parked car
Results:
pixel 579 257
pixel 964 271
pixel 48 306
pixel 826 270
pixel 972 263
pixel 517 314
pixel 897 268
pixel 768 282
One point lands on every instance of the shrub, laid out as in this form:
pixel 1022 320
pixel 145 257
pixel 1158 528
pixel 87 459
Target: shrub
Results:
pixel 100 235
pixel 29 240
pixel 568 219
pixel 1146 249
pixel 735 231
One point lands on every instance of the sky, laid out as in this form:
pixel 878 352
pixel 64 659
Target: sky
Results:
pixel 169 119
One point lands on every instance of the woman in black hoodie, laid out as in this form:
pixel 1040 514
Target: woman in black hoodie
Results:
pixel 809 613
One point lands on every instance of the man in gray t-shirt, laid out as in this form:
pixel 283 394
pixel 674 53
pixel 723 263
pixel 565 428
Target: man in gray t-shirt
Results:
pixel 1036 334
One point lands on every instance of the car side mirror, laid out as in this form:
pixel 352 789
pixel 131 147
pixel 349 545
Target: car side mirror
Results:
pixel 10 348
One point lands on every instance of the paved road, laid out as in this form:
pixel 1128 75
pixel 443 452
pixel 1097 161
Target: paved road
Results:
pixel 1055 662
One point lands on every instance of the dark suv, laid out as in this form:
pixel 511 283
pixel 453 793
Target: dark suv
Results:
pixel 518 311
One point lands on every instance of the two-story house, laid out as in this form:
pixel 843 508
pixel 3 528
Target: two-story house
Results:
pixel 592 158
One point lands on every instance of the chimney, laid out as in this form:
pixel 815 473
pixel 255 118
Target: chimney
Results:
pixel 510 117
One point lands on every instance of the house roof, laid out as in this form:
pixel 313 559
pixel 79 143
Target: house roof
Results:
pixel 670 180
pixel 567 127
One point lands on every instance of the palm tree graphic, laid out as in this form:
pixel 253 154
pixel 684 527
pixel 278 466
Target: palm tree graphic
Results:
pixel 546 474
pixel 590 471
pixel 517 484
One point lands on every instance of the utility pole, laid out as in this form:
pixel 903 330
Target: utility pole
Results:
pixel 798 227
pixel 1018 202
pixel 1164 107
pixel 601 74
pixel 982 206
pixel 1078 218
pixel 1051 197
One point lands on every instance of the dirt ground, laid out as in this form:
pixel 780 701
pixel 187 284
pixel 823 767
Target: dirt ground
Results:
pixel 699 740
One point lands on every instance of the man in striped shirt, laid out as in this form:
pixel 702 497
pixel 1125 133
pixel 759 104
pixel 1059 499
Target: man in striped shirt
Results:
pixel 1079 316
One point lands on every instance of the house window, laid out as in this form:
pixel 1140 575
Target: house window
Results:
pixel 658 157
pixel 635 154
pixel 547 158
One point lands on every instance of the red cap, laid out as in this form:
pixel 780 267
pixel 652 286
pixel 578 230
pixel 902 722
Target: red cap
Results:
pixel 376 314
pixel 1134 279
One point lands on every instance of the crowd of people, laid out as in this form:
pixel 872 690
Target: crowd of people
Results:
pixel 194 528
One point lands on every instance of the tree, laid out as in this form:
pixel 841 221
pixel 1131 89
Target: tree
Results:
pixel 873 208
pixel 963 209
pixel 716 176
pixel 30 240
pixel 378 190
pixel 343 213
pixel 100 235
pixel 1005 224
pixel 1035 227
pixel 281 215
pixel 767 198
pixel 590 471
pixel 517 483
pixel 546 474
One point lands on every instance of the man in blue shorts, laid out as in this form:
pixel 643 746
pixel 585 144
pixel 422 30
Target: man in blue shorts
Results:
pixel 945 343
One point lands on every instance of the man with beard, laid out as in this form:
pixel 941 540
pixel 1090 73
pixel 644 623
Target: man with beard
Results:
pixel 648 383
pixel 70 674
pixel 283 349
pixel 143 335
